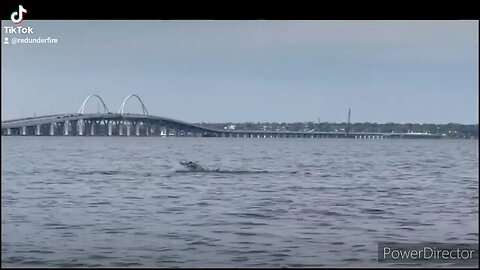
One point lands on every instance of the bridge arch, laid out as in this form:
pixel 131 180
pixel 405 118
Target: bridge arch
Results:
pixel 145 112
pixel 80 111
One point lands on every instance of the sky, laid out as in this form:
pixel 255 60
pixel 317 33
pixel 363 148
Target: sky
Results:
pixel 248 71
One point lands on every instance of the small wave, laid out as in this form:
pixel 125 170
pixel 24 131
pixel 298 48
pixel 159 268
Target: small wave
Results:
pixel 99 203
pixel 373 211
pixel 36 251
pixel 245 233
pixel 249 215
pixel 195 167
pixel 34 262
pixel 126 264
pixel 101 172
pixel 223 171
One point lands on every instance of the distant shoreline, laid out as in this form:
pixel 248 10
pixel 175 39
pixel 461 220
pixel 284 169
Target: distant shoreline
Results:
pixel 451 130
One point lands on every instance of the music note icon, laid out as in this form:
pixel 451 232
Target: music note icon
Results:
pixel 20 12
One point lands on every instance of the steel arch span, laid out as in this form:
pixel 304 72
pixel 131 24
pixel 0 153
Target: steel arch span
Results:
pixel 80 111
pixel 122 108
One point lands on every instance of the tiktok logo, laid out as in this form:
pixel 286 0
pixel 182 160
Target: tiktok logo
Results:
pixel 17 17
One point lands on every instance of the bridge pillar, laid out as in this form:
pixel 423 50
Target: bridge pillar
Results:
pixel 73 127
pixel 9 131
pixel 137 129
pixel 147 129
pixel 38 130
pixel 80 126
pixel 24 130
pixel 151 129
pixel 92 128
pixel 65 128
pixel 109 127
pixel 120 128
pixel 167 132
pixel 128 128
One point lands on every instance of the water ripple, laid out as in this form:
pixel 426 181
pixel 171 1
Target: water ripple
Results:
pixel 102 202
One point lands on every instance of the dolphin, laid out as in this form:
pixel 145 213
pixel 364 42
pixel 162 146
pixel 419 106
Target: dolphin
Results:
pixel 193 166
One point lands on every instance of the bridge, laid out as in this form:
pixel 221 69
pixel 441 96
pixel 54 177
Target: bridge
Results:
pixel 127 124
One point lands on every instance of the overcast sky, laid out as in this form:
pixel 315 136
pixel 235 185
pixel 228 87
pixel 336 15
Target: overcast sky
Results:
pixel 220 71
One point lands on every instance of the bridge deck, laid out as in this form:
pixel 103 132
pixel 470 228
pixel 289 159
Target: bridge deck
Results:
pixel 106 118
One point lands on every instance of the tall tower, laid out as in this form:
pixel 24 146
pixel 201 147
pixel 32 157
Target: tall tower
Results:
pixel 347 129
